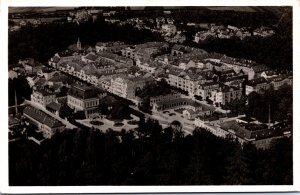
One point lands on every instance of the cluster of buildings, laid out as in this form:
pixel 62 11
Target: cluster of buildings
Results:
pixel 107 66
pixel 245 130
pixel 163 25
pixel 214 77
pixel 18 20
pixel 198 78
pixel 189 108
pixel 57 94
pixel 223 32
pixel 83 15
pixel 273 80
pixel 58 91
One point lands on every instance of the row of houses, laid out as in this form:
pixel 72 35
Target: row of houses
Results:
pixel 78 97
pixel 190 109
pixel 228 32
pixel 245 130
pixel 262 83
pixel 92 71
pixel 145 50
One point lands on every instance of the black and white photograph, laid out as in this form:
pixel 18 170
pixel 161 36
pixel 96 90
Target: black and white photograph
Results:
pixel 150 96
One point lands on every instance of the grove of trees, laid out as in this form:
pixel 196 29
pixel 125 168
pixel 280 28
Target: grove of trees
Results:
pixel 21 88
pixel 43 41
pixel 280 101
pixel 149 156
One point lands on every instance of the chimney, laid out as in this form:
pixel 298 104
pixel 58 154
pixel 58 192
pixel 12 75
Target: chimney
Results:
pixel 16 104
pixel 269 121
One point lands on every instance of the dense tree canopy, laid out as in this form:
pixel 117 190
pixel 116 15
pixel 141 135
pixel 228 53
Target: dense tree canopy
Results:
pixel 43 41
pixel 226 17
pixel 280 102
pixel 20 87
pixel 274 51
pixel 151 156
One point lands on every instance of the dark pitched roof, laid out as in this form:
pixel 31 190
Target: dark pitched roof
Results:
pixel 44 92
pixel 55 59
pixel 209 84
pixel 257 81
pixel 42 117
pixel 46 70
pixel 277 78
pixel 58 78
pixel 260 68
pixel 83 91
pixel 54 106
pixel 251 130
pixel 270 72
pixel 73 47
pixel 75 65
pixel 91 57
pixel 90 69
pixel 225 72
pixel 226 88
pixel 181 48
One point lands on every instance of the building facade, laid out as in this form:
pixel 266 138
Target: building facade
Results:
pixel 42 97
pixel 226 94
pixel 83 98
pixel 47 124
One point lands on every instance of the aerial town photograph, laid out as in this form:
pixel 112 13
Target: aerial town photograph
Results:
pixel 150 96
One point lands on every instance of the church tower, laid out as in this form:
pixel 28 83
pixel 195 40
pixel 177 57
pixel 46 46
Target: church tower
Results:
pixel 78 44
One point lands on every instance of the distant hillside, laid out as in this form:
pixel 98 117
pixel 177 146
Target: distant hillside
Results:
pixel 274 9
pixel 233 8
pixel 36 9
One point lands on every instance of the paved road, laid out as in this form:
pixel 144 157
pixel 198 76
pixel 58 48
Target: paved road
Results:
pixel 166 122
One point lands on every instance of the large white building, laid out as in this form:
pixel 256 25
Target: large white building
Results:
pixel 256 85
pixel 84 98
pixel 243 131
pixel 126 86
pixel 42 97
pixel 205 90
pixel 146 67
pixel 280 80
pixel 226 94
pixel 188 81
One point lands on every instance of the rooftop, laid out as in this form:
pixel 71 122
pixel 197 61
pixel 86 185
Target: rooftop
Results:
pixel 43 91
pixel 257 81
pixel 226 88
pixel 260 68
pixel 83 91
pixel 250 130
pixel 91 56
pixel 42 117
pixel 54 106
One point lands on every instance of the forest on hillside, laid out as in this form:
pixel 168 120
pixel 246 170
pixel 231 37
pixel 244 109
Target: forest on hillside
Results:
pixel 43 41
pixel 149 156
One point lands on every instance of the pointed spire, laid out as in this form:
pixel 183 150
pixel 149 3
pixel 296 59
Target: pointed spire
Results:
pixel 78 44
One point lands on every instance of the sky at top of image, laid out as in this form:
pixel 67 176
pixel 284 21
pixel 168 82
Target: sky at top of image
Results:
pixel 216 8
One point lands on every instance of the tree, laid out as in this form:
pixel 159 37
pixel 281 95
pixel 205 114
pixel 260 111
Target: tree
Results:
pixel 237 169
pixel 145 105
pixel 65 111
pixel 120 110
